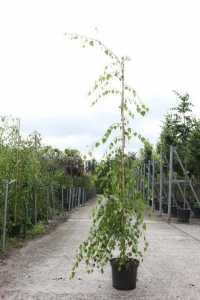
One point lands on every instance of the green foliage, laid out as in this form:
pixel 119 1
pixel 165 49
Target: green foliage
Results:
pixel 193 150
pixel 147 152
pixel 117 221
pixel 196 205
pixel 182 130
pixel 115 225
pixel 177 127
pixel 38 229
pixel 103 174
pixel 87 182
pixel 39 172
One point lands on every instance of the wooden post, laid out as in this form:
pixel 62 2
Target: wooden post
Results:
pixel 5 216
pixel 170 182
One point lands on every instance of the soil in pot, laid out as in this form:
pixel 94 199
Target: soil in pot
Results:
pixel 183 215
pixel 125 278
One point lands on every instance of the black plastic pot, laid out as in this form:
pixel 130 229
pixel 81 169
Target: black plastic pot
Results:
pixel 174 211
pixel 125 278
pixel 165 208
pixel 196 211
pixel 15 230
pixel 183 215
pixel 157 205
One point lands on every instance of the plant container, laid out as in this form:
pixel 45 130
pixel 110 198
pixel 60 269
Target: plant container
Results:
pixel 15 230
pixel 174 211
pixel 165 208
pixel 183 215
pixel 156 205
pixel 126 277
pixel 196 211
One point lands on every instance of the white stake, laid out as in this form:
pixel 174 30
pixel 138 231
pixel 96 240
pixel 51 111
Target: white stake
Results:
pixel 5 216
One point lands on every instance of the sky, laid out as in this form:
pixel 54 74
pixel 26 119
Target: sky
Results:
pixel 45 78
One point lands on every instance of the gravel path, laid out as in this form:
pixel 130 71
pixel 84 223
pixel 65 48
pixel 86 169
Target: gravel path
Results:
pixel 171 268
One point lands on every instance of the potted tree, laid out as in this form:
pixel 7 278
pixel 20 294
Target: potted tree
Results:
pixel 118 219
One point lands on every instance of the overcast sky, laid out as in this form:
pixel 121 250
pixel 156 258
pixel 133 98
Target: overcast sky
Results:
pixel 44 78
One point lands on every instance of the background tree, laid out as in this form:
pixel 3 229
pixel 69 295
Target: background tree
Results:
pixel 176 129
pixel 146 152
pixel 39 173
pixel 193 150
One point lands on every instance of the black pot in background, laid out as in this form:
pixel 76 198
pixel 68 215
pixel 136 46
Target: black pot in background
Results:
pixel 165 208
pixel 196 211
pixel 15 230
pixel 125 279
pixel 183 215
pixel 156 205
pixel 174 211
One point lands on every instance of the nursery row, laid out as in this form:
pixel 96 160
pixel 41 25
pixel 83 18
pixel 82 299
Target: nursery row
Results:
pixel 37 182
pixel 38 208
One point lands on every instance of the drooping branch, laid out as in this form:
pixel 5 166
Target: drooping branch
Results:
pixel 94 42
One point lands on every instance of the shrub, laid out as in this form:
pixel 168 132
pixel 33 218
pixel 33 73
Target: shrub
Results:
pixel 38 229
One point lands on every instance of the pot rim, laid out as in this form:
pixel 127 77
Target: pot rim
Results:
pixel 134 261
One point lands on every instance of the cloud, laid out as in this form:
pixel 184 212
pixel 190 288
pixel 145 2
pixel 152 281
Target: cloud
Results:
pixel 92 124
pixel 45 78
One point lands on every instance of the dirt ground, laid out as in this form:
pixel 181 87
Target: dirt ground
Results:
pixel 171 267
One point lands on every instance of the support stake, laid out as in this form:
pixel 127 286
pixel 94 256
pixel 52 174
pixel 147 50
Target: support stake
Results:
pixel 170 182
pixel 5 216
